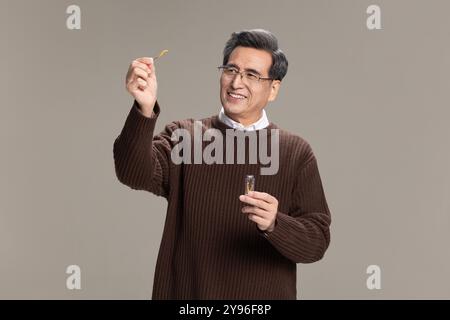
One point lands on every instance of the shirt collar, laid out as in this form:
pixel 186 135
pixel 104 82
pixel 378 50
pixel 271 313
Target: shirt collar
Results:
pixel 262 123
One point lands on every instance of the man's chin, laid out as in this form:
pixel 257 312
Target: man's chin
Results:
pixel 234 108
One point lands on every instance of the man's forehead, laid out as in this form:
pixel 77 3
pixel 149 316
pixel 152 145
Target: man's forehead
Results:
pixel 251 59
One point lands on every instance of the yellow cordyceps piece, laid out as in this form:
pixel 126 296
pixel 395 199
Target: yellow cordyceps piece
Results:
pixel 249 183
pixel 161 54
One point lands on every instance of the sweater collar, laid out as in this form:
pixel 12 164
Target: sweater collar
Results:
pixel 262 123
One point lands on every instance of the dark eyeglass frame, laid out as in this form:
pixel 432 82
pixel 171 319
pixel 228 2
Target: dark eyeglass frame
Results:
pixel 251 76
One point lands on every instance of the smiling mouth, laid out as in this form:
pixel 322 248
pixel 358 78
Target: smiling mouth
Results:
pixel 236 95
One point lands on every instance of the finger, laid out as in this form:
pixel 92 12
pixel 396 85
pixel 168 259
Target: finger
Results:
pixel 132 78
pixel 139 73
pixel 258 220
pixel 132 84
pixel 257 211
pixel 146 60
pixel 141 65
pixel 262 196
pixel 255 202
pixel 142 84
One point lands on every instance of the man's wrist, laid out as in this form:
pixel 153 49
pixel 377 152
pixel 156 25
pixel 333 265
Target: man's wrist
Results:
pixel 145 110
pixel 268 231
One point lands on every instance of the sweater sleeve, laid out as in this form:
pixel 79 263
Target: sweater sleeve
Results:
pixel 303 235
pixel 141 160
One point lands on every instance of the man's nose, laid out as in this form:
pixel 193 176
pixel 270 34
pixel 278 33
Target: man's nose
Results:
pixel 238 81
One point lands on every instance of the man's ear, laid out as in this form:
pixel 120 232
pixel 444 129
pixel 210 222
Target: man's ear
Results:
pixel 274 87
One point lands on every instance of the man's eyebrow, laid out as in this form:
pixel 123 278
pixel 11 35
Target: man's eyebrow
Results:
pixel 248 69
pixel 253 71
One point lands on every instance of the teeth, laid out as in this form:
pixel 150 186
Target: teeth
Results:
pixel 237 96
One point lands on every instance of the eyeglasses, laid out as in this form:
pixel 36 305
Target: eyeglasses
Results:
pixel 230 72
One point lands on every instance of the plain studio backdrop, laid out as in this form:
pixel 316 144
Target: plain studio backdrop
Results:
pixel 373 104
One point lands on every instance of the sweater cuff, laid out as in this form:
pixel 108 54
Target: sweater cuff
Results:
pixel 155 112
pixel 138 129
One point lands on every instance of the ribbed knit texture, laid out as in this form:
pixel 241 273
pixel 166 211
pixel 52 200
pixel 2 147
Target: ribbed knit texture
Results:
pixel 209 248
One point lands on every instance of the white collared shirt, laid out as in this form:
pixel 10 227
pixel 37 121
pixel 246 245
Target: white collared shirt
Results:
pixel 262 123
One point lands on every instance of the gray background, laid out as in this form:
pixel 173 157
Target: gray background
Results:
pixel 373 105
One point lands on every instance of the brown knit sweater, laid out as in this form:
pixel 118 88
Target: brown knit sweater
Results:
pixel 209 248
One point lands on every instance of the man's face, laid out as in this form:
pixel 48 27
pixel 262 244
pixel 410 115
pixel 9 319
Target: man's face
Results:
pixel 251 97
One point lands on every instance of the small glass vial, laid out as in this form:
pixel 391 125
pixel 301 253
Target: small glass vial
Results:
pixel 249 183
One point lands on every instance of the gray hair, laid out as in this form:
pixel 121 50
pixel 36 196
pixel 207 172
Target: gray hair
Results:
pixel 259 39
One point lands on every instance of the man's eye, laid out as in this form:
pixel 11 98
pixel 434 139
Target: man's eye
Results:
pixel 233 71
pixel 252 76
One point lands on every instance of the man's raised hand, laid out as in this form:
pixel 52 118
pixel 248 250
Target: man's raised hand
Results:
pixel 141 83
